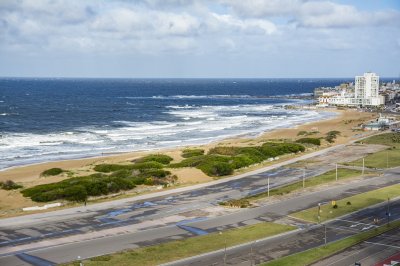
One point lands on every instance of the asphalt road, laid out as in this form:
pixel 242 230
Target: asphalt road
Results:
pixel 309 237
pixel 62 236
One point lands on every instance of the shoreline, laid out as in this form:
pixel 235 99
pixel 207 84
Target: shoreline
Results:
pixel 332 114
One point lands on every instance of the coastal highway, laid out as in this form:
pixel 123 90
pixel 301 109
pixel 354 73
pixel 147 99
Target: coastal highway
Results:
pixel 313 236
pixel 61 236
pixel 129 238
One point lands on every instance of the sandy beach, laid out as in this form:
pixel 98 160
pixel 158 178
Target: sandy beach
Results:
pixel 13 201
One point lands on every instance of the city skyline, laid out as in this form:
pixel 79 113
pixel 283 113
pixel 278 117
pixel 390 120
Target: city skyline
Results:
pixel 193 39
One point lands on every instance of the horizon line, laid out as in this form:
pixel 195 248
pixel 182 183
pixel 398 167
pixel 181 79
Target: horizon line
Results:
pixel 92 77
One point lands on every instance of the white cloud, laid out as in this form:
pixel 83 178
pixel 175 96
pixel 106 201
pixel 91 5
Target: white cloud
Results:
pixel 262 8
pixel 251 26
pixel 330 15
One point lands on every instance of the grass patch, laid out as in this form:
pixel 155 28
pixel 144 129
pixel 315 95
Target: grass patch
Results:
pixel 327 177
pixel 357 202
pixel 315 254
pixel 187 153
pixel 159 158
pixel 9 185
pixel 52 172
pixel 179 249
pixel 382 159
pixel 313 141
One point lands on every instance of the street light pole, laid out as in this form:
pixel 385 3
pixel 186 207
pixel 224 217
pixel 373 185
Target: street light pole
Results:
pixel 225 253
pixel 304 177
pixel 268 186
pixel 388 210
pixel 325 234
pixel 319 212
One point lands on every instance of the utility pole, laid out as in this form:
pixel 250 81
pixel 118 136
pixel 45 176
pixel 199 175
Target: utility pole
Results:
pixel 304 177
pixel 336 173
pixel 268 186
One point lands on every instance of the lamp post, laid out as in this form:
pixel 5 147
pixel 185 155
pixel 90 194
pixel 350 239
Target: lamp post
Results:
pixel 252 262
pixel 388 210
pixel 319 212
pixel 304 177
pixel 268 186
pixel 224 249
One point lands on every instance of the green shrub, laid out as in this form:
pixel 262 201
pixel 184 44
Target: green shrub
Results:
pixel 52 172
pixel 101 258
pixel 187 153
pixel 108 168
pixel 314 141
pixel 147 165
pixel 331 136
pixel 223 160
pixel 76 193
pixel 78 188
pixel 123 173
pixel 9 185
pixel 157 173
pixel 217 168
pixel 159 158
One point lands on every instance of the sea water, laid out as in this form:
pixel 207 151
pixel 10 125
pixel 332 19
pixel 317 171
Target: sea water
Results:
pixel 54 119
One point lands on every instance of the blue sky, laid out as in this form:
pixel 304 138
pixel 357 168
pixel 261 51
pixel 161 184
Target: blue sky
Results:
pixel 188 38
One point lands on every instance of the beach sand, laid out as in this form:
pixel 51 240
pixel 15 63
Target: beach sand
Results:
pixel 30 175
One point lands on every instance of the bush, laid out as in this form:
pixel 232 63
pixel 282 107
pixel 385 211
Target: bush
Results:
pixel 335 206
pixel 101 258
pixel 331 136
pixel 302 133
pixel 52 172
pixel 78 188
pixel 147 165
pixel 187 153
pixel 223 160
pixel 217 169
pixel 108 168
pixel 76 193
pixel 159 158
pixel 9 185
pixel 314 141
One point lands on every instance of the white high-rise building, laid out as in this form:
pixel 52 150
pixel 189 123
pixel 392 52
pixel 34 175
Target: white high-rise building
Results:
pixel 366 93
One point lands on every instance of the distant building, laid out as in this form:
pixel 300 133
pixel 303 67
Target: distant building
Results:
pixel 366 93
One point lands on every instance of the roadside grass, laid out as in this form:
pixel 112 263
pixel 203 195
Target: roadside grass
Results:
pixel 315 254
pixel 382 159
pixel 179 249
pixel 358 202
pixel 327 177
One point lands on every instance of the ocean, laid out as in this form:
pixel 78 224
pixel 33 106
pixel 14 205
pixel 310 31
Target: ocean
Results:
pixel 55 119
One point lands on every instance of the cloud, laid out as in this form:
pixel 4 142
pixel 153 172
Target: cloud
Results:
pixel 249 26
pixel 317 14
pixel 262 8
pixel 264 30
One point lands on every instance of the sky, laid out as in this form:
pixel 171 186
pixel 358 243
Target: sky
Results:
pixel 199 39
